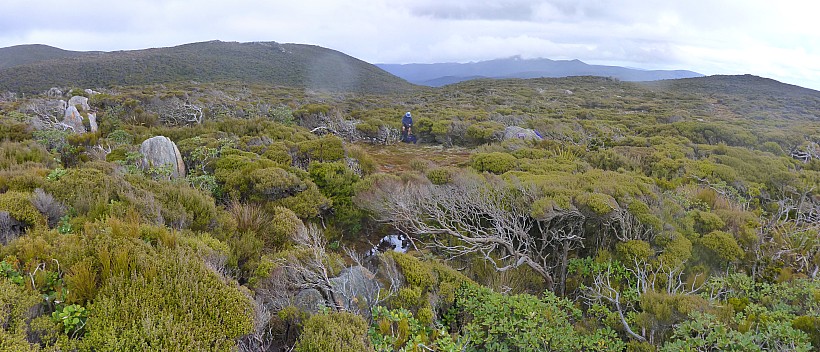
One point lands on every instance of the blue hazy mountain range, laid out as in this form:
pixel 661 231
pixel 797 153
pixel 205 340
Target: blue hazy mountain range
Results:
pixel 439 74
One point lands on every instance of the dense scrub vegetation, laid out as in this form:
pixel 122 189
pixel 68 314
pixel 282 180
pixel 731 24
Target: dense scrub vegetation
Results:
pixel 649 217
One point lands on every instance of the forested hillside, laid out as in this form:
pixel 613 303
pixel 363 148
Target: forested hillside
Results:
pixel 269 63
pixel 571 214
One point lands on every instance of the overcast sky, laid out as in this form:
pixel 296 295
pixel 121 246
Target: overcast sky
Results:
pixel 778 39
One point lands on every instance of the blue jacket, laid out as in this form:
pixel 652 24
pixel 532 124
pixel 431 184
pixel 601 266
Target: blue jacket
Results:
pixel 406 120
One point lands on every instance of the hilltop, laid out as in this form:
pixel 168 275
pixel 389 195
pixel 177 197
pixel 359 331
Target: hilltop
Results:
pixel 28 54
pixel 35 68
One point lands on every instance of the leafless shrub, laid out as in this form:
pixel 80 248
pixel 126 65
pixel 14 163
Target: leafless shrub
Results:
pixel 261 338
pixel 175 112
pixel 48 206
pixel 10 228
pixel 469 215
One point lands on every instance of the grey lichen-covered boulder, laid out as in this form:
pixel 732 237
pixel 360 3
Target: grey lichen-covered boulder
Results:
pixel 515 132
pixel 54 92
pixel 355 289
pixel 159 152
pixel 309 300
pixel 73 119
pixel 79 100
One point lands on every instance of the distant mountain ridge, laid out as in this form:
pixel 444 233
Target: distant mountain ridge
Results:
pixel 439 74
pixel 35 68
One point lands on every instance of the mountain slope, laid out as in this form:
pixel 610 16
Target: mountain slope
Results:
pixel 293 65
pixel 751 96
pixel 446 73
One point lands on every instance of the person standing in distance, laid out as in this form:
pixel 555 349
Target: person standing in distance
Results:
pixel 406 126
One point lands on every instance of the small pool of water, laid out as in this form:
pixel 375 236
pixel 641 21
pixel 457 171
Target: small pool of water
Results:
pixel 397 243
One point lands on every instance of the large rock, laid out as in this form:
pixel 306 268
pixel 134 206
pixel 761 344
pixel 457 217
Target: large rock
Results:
pixel 54 92
pixel 160 151
pixel 309 300
pixel 79 100
pixel 73 119
pixel 355 289
pixel 515 132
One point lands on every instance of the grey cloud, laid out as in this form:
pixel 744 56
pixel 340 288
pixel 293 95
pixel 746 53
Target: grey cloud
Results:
pixel 710 36
pixel 478 10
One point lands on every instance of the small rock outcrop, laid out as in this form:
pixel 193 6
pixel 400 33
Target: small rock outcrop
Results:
pixel 73 119
pixel 79 100
pixel 92 122
pixel 158 152
pixel 515 132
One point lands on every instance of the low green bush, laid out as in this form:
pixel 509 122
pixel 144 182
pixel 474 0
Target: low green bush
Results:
pixel 337 331
pixel 497 162
pixel 18 302
pixel 19 206
pixel 496 322
pixel 323 149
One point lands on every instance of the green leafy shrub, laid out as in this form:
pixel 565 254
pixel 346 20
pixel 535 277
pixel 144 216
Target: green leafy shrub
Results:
pixel 18 153
pixel 598 203
pixel 399 330
pixel 485 132
pixel 809 325
pixel 706 222
pixel 12 129
pixel 18 302
pixel 72 318
pixel 168 307
pixel 723 245
pixel 323 149
pixel 495 322
pixel 497 163
pixel 704 332
pixel 307 204
pixel 278 153
pixel 250 177
pixel 87 190
pixel 416 272
pixel 181 206
pixel 634 251
pixel 20 207
pixel 337 182
pixel 24 178
pixel 337 331
pixel 440 175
